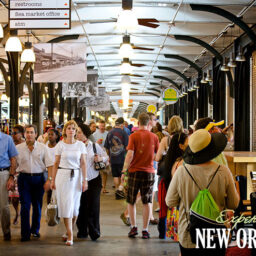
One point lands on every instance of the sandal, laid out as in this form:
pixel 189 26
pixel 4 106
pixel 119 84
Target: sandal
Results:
pixel 65 237
pixel 69 242
pixel 105 191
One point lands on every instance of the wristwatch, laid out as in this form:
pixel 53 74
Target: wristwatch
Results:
pixel 50 178
pixel 86 179
pixel 11 175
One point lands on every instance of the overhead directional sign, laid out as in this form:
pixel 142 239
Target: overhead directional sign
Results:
pixel 39 4
pixel 40 14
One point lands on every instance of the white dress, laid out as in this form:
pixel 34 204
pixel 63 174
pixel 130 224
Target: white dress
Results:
pixel 69 189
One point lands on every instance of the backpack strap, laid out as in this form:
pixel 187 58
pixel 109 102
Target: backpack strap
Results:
pixel 169 140
pixel 94 148
pixel 191 176
pixel 213 177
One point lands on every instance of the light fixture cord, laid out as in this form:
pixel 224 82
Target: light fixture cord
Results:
pixel 88 40
pixel 240 14
pixel 162 46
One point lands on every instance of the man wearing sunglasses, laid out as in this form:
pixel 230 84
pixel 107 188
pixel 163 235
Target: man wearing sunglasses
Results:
pixel 8 152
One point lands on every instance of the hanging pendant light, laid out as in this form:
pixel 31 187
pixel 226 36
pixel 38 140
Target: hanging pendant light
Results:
pixel 203 81
pixel 240 57
pixel 126 80
pixel 13 43
pixel 126 50
pixel 125 95
pixel 28 54
pixel 208 76
pixel 232 63
pixel 127 21
pixel 224 66
pixel 1 31
pixel 126 67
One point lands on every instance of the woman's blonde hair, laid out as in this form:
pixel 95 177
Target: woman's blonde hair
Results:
pixel 68 123
pixel 175 125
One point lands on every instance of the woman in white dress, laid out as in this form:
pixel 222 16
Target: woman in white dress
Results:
pixel 67 178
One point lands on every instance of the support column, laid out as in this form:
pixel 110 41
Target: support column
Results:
pixel 50 100
pixel 69 108
pixel 36 105
pixel 61 105
pixel 88 115
pixel 75 107
pixel 14 68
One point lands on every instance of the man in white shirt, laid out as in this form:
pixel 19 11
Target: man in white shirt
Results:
pixel 100 136
pixel 32 160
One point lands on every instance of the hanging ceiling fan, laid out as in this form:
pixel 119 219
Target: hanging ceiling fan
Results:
pixel 125 60
pixel 134 83
pixel 126 14
pixel 115 75
pixel 126 47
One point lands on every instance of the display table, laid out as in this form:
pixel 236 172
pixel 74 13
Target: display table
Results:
pixel 242 163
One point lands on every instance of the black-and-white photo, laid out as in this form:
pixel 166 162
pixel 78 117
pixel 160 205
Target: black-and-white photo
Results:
pixel 101 91
pixel 88 89
pixel 91 101
pixel 60 63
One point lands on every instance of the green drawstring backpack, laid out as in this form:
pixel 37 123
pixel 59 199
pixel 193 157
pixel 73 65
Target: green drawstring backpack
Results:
pixel 204 211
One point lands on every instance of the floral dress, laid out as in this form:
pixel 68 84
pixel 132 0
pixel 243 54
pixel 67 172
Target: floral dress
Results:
pixel 172 221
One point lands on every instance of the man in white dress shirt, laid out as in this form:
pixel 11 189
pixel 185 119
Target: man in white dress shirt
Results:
pixel 100 136
pixel 33 159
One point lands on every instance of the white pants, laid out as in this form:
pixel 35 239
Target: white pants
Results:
pixel 68 193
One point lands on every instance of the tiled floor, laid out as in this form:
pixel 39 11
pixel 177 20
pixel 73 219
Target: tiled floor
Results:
pixel 114 240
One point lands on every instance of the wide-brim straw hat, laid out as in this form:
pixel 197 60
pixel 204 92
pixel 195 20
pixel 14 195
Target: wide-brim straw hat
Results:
pixel 203 146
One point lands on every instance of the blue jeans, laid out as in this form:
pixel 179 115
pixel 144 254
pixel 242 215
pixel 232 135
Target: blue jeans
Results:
pixel 31 192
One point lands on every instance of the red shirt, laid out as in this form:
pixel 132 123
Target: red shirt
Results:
pixel 145 145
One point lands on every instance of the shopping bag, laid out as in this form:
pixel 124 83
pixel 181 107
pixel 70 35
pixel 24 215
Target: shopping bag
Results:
pixel 52 211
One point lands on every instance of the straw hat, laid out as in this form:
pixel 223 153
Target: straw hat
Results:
pixel 203 146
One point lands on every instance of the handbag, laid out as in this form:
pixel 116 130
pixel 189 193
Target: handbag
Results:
pixel 98 165
pixel 52 211
pixel 161 164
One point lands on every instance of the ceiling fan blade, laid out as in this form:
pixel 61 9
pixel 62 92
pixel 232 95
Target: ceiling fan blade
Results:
pixel 102 21
pixel 117 90
pixel 142 48
pixel 106 66
pixel 138 65
pixel 148 23
pixel 135 75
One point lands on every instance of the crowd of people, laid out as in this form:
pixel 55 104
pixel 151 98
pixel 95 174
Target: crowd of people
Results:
pixel 147 163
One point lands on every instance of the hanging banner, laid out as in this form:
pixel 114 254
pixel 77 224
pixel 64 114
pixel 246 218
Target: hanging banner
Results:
pixel 151 108
pixel 170 96
pixel 40 14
